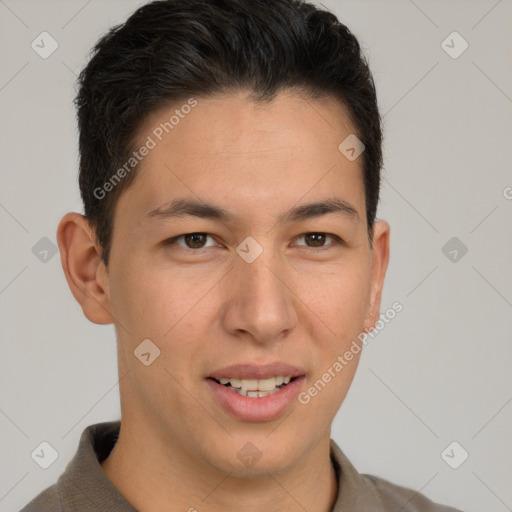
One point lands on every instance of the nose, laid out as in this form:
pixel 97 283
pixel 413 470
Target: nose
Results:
pixel 260 303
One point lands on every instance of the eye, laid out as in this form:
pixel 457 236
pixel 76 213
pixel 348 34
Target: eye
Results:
pixel 317 240
pixel 197 241
pixel 190 240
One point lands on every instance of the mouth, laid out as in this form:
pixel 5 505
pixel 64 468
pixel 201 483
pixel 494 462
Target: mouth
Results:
pixel 255 393
pixel 255 388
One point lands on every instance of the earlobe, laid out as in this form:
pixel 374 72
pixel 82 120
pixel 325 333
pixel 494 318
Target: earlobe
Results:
pixel 83 267
pixel 379 265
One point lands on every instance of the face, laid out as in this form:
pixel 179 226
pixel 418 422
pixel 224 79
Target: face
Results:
pixel 247 285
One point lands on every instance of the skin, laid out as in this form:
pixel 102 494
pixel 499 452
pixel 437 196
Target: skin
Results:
pixel 297 302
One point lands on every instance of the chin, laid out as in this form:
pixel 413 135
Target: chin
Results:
pixel 254 456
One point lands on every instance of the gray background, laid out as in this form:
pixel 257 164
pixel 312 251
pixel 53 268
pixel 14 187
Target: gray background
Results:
pixel 439 372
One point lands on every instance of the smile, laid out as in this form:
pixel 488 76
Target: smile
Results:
pixel 255 388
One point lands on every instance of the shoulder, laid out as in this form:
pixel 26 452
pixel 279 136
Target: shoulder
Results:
pixel 46 501
pixel 393 495
pixel 83 483
pixel 358 492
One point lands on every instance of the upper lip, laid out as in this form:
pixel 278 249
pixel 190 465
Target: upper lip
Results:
pixel 253 371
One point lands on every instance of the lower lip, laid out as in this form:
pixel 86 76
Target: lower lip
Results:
pixel 266 408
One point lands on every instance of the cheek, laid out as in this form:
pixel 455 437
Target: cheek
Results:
pixel 339 298
pixel 346 298
pixel 169 307
pixel 145 297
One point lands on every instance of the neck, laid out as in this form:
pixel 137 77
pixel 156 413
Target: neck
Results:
pixel 151 476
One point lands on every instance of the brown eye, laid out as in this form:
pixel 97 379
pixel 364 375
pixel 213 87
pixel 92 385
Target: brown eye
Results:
pixel 195 240
pixel 315 239
pixel 318 240
pixel 191 241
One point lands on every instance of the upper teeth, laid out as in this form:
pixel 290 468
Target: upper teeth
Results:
pixel 256 384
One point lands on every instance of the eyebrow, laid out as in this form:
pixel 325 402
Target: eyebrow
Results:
pixel 187 207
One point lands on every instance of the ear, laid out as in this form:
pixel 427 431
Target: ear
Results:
pixel 85 272
pixel 379 265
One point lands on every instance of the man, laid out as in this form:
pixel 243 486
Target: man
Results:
pixel 230 156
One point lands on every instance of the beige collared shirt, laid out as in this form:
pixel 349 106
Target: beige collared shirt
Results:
pixel 83 487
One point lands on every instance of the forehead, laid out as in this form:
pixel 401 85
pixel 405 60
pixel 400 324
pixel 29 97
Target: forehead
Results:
pixel 247 156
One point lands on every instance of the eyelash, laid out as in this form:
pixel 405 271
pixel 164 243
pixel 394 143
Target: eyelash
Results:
pixel 337 241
